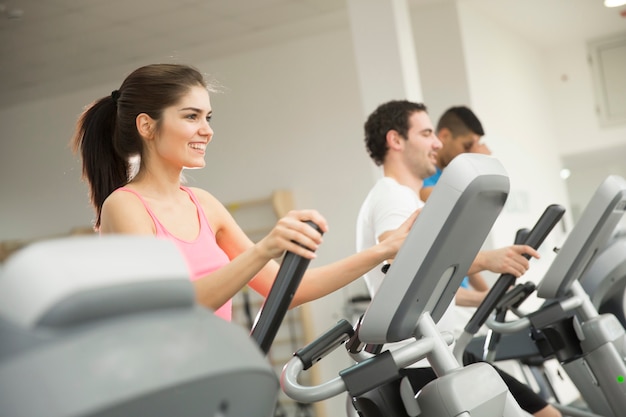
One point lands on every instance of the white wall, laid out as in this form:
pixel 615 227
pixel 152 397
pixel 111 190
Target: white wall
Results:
pixel 441 57
pixel 40 187
pixel 509 95
pixel 571 90
pixel 589 151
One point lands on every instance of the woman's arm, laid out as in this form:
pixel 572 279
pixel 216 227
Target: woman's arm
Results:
pixel 316 282
pixel 252 263
pixel 323 280
pixel 125 214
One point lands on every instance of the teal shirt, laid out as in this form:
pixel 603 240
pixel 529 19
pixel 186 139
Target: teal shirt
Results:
pixel 432 180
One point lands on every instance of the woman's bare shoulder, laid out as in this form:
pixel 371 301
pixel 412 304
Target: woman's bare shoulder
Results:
pixel 123 212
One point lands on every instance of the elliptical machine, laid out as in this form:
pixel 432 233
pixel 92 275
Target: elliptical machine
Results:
pixel 419 286
pixel 591 347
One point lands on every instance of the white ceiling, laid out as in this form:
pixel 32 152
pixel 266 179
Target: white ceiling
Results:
pixel 61 45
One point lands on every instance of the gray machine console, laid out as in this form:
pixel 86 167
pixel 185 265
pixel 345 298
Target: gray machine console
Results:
pixel 109 327
pixel 453 226
pixel 49 283
pixel 588 237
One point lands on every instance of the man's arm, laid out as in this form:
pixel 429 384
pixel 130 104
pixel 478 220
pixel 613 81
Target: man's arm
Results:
pixel 467 297
pixel 472 297
pixel 478 282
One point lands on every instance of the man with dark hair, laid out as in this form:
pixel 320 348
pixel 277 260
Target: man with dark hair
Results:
pixel 459 131
pixel 460 119
pixel 400 137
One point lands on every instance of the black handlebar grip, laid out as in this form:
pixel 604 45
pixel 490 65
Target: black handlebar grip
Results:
pixel 494 337
pixel 326 343
pixel 521 236
pixel 277 303
pixel 544 226
pixel 535 238
pixel 512 298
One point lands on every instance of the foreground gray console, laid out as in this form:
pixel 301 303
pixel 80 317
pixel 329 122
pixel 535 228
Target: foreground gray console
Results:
pixel 108 327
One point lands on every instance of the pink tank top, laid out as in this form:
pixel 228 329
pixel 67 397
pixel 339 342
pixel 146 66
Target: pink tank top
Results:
pixel 202 254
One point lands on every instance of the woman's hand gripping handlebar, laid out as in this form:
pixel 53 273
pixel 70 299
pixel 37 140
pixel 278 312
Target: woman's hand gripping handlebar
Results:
pixel 273 311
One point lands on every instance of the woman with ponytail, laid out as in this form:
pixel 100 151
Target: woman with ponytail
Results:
pixel 159 119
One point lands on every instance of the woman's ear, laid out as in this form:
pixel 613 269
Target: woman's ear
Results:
pixel 145 125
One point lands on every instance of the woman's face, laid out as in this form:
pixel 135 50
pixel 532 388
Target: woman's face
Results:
pixel 185 132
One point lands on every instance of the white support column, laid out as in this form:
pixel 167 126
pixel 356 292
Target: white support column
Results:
pixel 385 51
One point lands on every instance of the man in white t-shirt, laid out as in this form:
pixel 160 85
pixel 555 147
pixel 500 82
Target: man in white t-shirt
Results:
pixel 400 137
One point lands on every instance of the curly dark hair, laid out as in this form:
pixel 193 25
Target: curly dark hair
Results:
pixel 393 115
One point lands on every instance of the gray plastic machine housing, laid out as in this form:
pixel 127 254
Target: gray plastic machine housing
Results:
pixel 109 327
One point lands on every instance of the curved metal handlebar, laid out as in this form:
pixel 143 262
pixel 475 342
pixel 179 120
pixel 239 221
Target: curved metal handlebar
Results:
pixel 402 357
pixel 293 389
pixel 508 326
